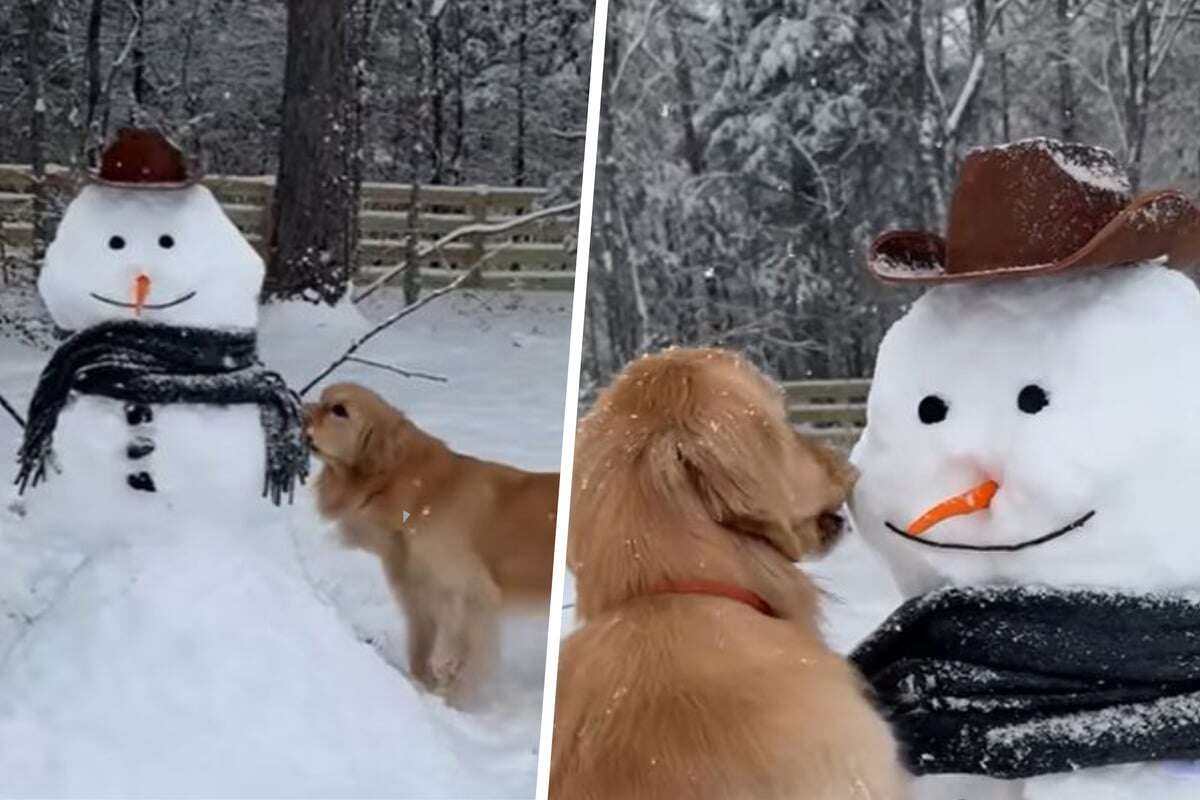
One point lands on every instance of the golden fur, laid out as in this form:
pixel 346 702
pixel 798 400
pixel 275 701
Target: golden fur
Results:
pixel 687 469
pixel 479 534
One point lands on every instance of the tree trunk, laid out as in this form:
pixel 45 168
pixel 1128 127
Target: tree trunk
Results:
pixel 94 81
pixel 437 99
pixel 924 171
pixel 412 272
pixel 1005 119
pixel 693 149
pixel 1066 83
pixel 522 71
pixel 412 275
pixel 140 87
pixel 1137 91
pixel 979 44
pixel 190 98
pixel 315 204
pixel 619 317
pixel 939 42
pixel 459 151
pixel 37 22
pixel 362 15
pixel 1139 139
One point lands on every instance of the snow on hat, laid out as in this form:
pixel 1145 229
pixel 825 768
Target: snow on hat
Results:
pixel 1041 206
pixel 142 158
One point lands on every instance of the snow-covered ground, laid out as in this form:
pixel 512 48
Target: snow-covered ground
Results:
pixel 160 666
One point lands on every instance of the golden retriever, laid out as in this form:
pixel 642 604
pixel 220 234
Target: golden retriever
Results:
pixel 458 537
pixel 699 671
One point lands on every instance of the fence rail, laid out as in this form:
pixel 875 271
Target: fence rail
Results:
pixel 538 255
pixel 834 411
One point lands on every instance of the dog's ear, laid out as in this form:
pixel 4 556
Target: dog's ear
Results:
pixel 381 436
pixel 835 463
pixel 738 475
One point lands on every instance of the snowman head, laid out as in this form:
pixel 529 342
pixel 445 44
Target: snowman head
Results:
pixel 1041 431
pixel 1034 418
pixel 142 242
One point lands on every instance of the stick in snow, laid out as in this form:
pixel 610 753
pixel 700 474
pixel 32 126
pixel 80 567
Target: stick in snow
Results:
pixel 466 230
pixel 406 373
pixel 12 412
pixel 392 320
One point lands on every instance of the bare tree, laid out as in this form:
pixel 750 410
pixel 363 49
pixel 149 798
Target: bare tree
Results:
pixel 208 72
pixel 312 249
pixel 37 21
pixel 928 145
pixel 693 147
pixel 140 82
pixel 1144 35
pixel 522 75
pixel 459 149
pixel 95 84
pixel 1066 83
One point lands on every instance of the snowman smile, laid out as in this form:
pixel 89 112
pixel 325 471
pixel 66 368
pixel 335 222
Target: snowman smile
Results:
pixel 992 548
pixel 183 298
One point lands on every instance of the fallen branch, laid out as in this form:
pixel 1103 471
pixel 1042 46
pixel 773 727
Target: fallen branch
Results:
pixel 406 373
pixel 481 229
pixel 392 320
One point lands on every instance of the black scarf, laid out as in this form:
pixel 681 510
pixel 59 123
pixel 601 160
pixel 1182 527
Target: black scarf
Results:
pixel 146 362
pixel 1012 682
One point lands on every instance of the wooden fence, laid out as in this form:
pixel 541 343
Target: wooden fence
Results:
pixel 834 411
pixel 537 255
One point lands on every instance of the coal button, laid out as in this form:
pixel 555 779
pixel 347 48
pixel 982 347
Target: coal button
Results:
pixel 140 447
pixel 140 481
pixel 138 413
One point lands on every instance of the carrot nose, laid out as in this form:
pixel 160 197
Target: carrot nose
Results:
pixel 141 290
pixel 970 501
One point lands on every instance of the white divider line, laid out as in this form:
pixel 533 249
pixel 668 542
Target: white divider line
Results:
pixel 587 190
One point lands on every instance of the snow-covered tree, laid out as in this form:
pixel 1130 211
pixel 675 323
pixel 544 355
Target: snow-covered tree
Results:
pixel 749 151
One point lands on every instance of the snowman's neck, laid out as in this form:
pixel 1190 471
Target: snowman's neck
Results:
pixel 220 349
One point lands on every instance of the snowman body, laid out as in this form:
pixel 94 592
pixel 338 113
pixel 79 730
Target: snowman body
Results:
pixel 194 659
pixel 1079 397
pixel 114 459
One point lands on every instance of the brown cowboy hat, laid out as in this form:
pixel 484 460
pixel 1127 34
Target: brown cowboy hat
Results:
pixel 1036 207
pixel 143 158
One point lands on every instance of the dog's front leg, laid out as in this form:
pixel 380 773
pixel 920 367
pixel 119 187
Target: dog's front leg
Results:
pixel 418 597
pixel 466 640
pixel 422 626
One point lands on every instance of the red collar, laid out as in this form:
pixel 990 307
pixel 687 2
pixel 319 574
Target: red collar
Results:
pixel 716 589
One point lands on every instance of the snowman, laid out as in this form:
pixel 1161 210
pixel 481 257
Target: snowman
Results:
pixel 169 640
pixel 1028 470
pixel 158 400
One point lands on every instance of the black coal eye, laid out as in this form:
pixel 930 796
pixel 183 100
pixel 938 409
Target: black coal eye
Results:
pixel 116 243
pixel 166 241
pixel 932 409
pixel 338 410
pixel 1032 399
